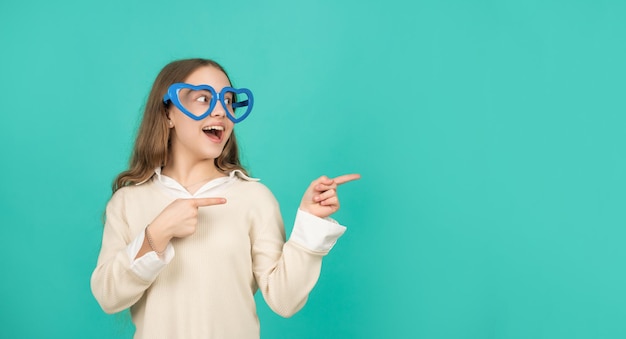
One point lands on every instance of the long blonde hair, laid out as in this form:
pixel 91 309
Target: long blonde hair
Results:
pixel 151 149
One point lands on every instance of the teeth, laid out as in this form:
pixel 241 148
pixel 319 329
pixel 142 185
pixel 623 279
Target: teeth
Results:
pixel 208 128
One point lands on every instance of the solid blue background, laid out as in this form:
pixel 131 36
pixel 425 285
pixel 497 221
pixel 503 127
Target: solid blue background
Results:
pixel 490 136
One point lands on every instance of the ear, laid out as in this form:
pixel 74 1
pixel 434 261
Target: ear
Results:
pixel 169 121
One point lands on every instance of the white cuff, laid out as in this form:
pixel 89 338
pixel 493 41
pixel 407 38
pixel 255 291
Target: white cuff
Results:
pixel 150 264
pixel 315 234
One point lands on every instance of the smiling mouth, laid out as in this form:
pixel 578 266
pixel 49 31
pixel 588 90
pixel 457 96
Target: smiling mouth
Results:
pixel 214 132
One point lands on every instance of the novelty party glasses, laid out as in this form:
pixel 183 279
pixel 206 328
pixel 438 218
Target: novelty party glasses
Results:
pixel 197 102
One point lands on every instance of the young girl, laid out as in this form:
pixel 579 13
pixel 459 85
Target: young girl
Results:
pixel 189 237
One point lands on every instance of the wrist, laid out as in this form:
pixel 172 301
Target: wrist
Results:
pixel 160 232
pixel 156 239
pixel 304 208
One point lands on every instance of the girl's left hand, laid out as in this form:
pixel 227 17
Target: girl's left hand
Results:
pixel 320 199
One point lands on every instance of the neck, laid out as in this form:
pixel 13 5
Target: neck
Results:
pixel 191 174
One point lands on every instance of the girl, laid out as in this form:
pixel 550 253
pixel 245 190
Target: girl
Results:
pixel 189 237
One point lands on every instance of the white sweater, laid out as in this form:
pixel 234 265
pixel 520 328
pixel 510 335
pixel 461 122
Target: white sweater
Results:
pixel 204 288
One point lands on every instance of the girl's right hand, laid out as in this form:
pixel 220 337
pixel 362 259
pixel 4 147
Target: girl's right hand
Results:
pixel 180 218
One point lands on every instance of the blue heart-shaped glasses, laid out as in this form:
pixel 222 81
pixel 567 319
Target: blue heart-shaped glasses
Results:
pixel 197 102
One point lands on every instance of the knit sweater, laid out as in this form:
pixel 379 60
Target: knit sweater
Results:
pixel 207 289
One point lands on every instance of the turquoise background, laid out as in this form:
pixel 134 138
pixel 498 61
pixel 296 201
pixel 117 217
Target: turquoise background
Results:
pixel 489 134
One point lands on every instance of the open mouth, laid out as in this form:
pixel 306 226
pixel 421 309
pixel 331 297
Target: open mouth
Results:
pixel 214 132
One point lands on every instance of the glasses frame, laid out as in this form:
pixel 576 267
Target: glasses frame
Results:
pixel 174 89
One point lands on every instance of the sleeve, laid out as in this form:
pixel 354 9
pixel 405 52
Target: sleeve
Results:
pixel 150 264
pixel 115 282
pixel 286 272
pixel 316 234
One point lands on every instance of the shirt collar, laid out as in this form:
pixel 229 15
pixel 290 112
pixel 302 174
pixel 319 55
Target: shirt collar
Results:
pixel 174 187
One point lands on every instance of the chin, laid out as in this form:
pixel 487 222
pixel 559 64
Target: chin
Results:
pixel 214 153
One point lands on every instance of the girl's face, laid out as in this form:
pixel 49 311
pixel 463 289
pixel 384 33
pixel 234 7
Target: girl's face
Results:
pixel 203 139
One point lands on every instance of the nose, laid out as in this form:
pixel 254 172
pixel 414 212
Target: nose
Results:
pixel 218 110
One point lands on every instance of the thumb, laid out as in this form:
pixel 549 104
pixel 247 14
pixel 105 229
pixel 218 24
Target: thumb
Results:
pixel 200 202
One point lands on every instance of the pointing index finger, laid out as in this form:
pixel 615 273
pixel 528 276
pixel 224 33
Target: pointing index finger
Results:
pixel 342 179
pixel 200 202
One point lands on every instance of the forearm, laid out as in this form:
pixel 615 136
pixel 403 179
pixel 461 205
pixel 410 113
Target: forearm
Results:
pixel 123 274
pixel 286 286
pixel 115 286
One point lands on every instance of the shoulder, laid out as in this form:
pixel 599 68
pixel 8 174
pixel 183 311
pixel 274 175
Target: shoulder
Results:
pixel 254 201
pixel 254 195
pixel 132 193
pixel 254 189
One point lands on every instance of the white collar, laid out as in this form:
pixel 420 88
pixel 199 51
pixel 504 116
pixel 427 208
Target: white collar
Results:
pixel 175 188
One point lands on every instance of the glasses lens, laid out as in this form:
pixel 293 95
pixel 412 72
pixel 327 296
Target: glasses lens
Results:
pixel 237 104
pixel 197 102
